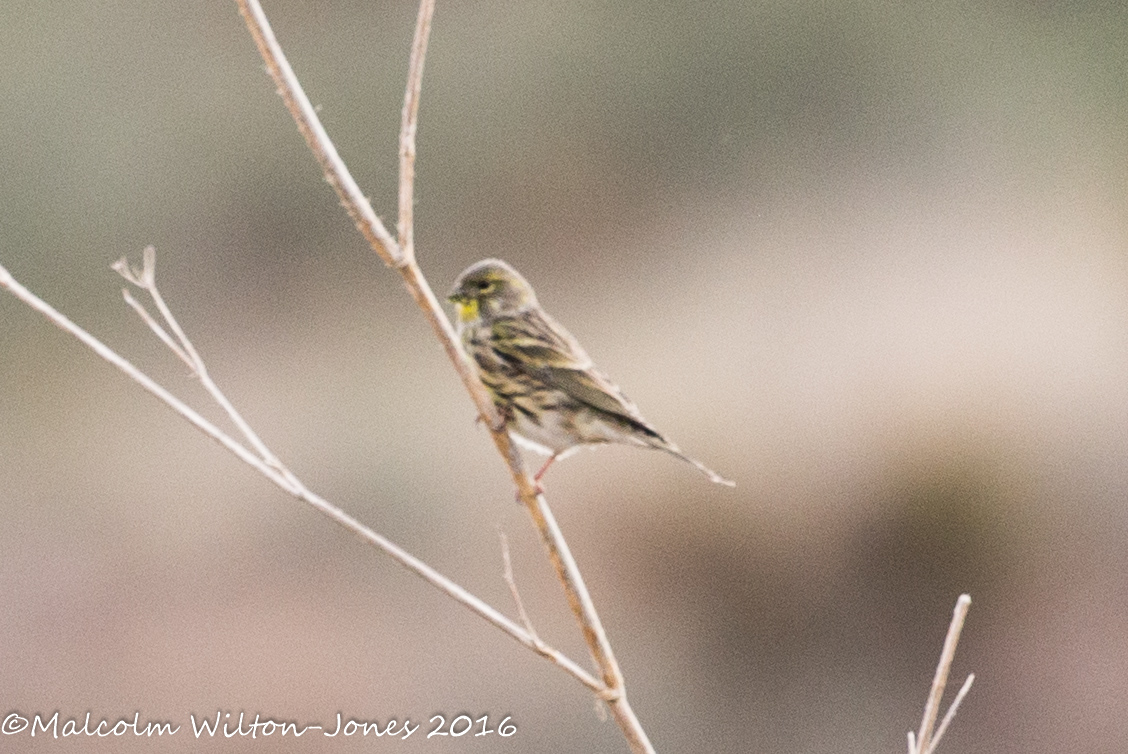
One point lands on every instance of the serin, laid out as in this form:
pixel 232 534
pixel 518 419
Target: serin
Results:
pixel 542 381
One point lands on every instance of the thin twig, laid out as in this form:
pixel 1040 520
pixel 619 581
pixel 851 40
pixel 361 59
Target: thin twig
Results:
pixel 57 318
pixel 507 574
pixel 359 209
pixel 951 713
pixel 294 487
pixel 149 284
pixel 924 742
pixel 603 693
pixel 408 127
pixel 159 331
pixel 319 143
pixel 146 279
pixel 355 203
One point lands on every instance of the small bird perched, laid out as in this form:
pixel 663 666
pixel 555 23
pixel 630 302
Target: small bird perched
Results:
pixel 543 383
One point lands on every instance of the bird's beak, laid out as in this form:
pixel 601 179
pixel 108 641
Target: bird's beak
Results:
pixel 467 306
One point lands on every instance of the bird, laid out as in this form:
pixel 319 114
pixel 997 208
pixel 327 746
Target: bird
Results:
pixel 548 392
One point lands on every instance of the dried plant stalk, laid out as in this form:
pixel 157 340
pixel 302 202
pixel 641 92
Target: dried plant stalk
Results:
pixel 402 258
pixel 925 740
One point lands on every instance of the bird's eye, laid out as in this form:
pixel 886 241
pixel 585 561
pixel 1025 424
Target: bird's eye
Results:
pixel 484 285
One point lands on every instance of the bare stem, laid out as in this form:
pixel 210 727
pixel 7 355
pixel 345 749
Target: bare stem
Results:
pixel 62 322
pixel 951 713
pixel 507 574
pixel 406 225
pixel 924 742
pixel 359 209
pixel 155 326
pixel 146 278
pixel 282 477
pixel 319 143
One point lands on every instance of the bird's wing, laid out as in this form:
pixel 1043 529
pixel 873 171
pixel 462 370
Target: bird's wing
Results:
pixel 533 341
pixel 542 348
pixel 592 388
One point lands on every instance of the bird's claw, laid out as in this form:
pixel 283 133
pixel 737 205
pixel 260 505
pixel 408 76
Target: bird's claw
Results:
pixel 499 427
pixel 538 490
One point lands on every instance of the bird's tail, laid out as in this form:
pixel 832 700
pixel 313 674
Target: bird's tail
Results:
pixel 674 450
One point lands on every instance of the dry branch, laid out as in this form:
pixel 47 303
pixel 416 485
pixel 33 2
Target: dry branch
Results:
pixel 925 740
pixel 400 255
pixel 272 469
pixel 394 255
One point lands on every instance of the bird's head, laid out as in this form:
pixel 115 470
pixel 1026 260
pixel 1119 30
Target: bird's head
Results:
pixel 489 289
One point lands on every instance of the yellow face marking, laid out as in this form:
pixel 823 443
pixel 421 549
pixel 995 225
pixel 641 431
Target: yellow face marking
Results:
pixel 468 309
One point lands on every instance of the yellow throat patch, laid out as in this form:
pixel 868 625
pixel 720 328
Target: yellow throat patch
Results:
pixel 468 310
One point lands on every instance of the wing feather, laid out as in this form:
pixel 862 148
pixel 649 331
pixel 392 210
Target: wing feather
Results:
pixel 540 347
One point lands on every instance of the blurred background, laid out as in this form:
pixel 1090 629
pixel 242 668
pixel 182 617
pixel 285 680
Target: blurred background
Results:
pixel 866 258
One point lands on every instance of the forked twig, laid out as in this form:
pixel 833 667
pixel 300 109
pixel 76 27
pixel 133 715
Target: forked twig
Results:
pixel 951 713
pixel 401 256
pixel 610 686
pixel 579 600
pixel 155 326
pixel 288 482
pixel 319 142
pixel 146 279
pixel 925 740
pixel 105 352
pixel 507 574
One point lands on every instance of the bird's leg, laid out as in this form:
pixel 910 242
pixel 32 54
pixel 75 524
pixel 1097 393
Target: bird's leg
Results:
pixel 544 468
pixel 538 475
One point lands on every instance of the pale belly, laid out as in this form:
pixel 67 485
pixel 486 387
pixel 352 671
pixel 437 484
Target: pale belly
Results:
pixel 554 436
